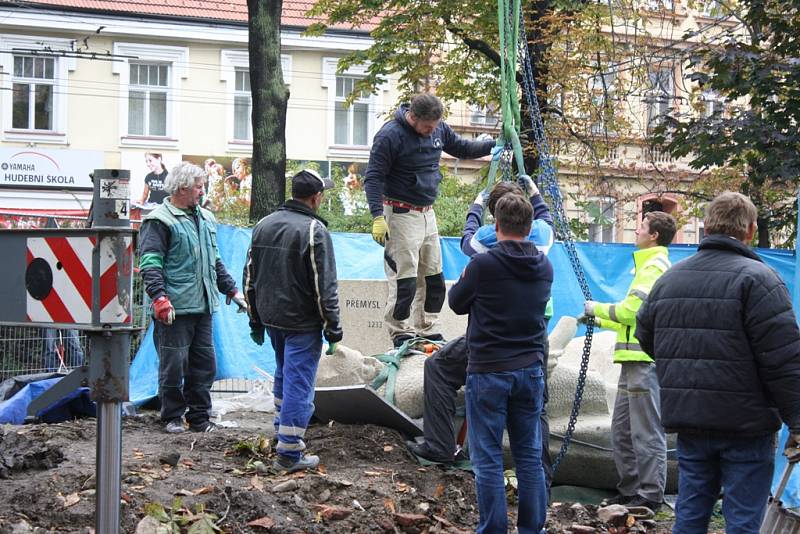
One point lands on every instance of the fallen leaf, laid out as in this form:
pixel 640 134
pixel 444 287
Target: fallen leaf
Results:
pixel 373 473
pixel 332 512
pixel 408 520
pixel 71 500
pixel 630 521
pixel 388 448
pixel 256 483
pixel 203 490
pixel 187 463
pixel 184 492
pixel 263 522
pixel 322 470
pixel 389 505
pixel 401 487
pixel 439 491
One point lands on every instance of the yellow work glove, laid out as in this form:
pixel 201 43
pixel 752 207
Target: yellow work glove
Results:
pixel 379 230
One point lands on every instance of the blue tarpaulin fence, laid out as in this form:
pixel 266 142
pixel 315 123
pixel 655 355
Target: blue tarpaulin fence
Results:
pixel 608 270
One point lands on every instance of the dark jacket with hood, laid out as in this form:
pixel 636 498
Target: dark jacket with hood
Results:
pixel 504 291
pixel 721 329
pixel 404 166
pixel 290 273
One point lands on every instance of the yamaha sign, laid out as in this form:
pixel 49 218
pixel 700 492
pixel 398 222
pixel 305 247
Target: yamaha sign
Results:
pixel 31 168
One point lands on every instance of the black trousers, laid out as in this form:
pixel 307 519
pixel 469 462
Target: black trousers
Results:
pixel 445 374
pixel 187 367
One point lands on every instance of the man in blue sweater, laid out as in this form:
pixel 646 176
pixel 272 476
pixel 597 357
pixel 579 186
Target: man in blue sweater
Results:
pixel 505 292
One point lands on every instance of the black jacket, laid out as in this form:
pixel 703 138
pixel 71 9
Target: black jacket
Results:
pixel 290 274
pixel 405 166
pixel 722 331
pixel 505 291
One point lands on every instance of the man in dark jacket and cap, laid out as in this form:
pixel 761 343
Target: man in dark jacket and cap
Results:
pixel 722 331
pixel 401 184
pixel 291 288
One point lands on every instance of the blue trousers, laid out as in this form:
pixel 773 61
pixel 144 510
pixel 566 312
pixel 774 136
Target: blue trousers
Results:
pixel 507 400
pixel 73 353
pixel 296 360
pixel 741 467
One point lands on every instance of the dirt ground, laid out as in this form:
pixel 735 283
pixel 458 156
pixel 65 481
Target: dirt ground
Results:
pixel 223 482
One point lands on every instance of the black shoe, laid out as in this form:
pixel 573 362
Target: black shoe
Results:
pixel 641 501
pixel 618 499
pixel 308 461
pixel 423 451
pixel 205 426
pixel 398 340
pixel 174 426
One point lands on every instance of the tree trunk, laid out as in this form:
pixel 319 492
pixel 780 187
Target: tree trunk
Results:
pixel 763 232
pixel 534 15
pixel 270 97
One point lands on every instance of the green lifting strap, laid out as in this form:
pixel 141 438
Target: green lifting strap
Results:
pixel 388 374
pixel 508 20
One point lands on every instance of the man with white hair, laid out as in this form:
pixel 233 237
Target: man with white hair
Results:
pixel 182 272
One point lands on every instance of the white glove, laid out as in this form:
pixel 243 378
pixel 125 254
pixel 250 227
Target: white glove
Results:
pixel 588 308
pixel 528 185
pixel 484 137
pixel 481 198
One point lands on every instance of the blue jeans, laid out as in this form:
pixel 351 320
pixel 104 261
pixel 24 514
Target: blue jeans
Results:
pixel 512 400
pixel 71 344
pixel 742 467
pixel 296 360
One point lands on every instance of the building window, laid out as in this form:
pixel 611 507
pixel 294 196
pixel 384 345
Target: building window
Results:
pixel 32 93
pixel 659 5
pixel 150 91
pixel 713 103
pixel 351 124
pixel 242 106
pixel 601 87
pixel 483 116
pixel 147 99
pixel 711 9
pixel 602 220
pixel 660 94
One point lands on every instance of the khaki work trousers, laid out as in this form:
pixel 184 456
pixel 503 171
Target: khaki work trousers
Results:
pixel 413 265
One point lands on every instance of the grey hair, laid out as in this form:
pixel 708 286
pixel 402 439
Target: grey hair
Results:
pixel 183 175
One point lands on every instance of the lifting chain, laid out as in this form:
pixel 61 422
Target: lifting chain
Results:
pixel 548 183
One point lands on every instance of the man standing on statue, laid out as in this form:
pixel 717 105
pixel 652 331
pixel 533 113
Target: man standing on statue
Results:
pixel 401 184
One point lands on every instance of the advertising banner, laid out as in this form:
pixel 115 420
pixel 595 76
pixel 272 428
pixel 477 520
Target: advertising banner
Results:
pixel 34 168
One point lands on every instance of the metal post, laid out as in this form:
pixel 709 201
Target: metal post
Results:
pixel 109 464
pixel 108 370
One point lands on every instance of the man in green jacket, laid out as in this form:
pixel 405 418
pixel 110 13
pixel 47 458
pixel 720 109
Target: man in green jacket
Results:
pixel 637 437
pixel 182 272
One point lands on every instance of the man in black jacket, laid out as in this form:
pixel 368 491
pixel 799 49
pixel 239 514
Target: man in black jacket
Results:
pixel 401 184
pixel 722 331
pixel 291 288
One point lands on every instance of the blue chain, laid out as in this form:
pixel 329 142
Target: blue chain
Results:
pixel 548 183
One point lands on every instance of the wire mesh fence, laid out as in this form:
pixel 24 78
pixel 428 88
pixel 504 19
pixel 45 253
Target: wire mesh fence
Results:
pixel 30 350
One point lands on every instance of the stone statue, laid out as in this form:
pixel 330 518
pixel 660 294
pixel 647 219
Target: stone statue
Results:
pixel 588 462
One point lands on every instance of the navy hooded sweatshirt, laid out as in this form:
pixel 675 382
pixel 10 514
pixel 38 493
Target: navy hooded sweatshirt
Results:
pixel 504 291
pixel 404 166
